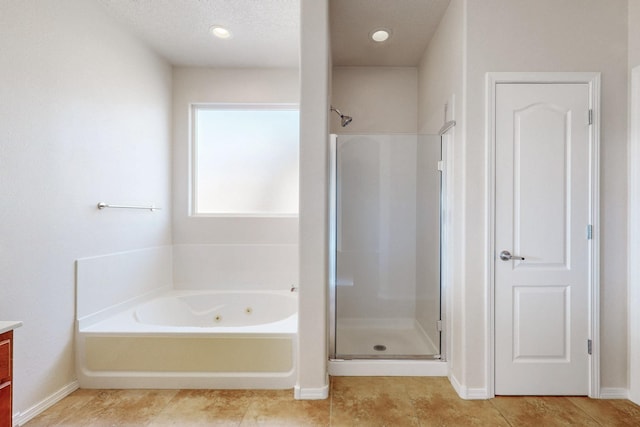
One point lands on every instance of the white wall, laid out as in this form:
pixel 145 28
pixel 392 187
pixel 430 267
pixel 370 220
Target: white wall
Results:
pixel 84 118
pixel 440 72
pixel 380 99
pixel 209 251
pixel 500 35
pixel 634 33
pixel 314 148
pixel 634 201
pixel 440 81
pixel 546 35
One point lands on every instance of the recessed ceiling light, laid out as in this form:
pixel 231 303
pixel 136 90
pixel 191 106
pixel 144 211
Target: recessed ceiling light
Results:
pixel 220 32
pixel 380 35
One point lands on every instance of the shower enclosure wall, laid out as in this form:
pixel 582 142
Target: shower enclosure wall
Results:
pixel 385 247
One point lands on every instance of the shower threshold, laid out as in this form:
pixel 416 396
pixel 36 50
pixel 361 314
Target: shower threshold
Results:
pixel 388 368
pixel 341 357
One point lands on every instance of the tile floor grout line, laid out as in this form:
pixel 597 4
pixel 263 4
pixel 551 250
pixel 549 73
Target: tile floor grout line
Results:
pixel 157 414
pixel 246 411
pixel 107 407
pixel 330 400
pixel 504 417
pixel 583 411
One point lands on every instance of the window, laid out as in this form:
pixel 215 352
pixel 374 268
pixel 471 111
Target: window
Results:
pixel 245 160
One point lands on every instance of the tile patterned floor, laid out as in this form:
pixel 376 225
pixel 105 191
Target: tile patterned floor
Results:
pixel 354 401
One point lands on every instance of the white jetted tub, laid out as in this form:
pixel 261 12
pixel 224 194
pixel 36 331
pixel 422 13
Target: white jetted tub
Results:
pixel 193 339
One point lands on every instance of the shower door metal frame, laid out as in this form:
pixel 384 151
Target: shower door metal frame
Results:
pixel 333 240
pixel 332 247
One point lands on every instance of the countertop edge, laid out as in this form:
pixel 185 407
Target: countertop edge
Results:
pixel 9 325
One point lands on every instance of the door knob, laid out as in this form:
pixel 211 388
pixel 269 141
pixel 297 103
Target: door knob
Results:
pixel 506 256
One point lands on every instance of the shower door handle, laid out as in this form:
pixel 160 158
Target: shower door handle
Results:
pixel 506 256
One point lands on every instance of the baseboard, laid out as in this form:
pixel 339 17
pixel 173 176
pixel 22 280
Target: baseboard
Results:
pixel 311 393
pixel 306 393
pixel 22 418
pixel 481 393
pixel 468 393
pixel 477 394
pixel 614 393
pixel 456 385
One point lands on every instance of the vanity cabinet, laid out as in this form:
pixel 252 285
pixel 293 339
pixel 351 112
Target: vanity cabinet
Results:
pixel 6 374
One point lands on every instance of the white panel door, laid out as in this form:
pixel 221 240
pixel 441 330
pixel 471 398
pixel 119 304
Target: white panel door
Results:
pixel 542 214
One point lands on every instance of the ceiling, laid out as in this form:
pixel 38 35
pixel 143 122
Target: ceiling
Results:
pixel 266 33
pixel 412 24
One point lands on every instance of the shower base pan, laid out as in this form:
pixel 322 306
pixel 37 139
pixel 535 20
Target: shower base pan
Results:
pixel 389 348
pixel 397 338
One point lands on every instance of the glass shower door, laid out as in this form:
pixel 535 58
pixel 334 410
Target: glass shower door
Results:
pixel 386 247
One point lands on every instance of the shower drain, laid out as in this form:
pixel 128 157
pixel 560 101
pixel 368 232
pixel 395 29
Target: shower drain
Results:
pixel 379 347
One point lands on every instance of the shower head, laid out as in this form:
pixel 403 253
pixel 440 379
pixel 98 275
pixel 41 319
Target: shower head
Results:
pixel 344 120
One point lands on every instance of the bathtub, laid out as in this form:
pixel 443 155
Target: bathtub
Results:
pixel 192 339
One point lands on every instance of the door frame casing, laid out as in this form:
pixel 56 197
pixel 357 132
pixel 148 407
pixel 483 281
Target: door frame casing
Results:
pixel 592 80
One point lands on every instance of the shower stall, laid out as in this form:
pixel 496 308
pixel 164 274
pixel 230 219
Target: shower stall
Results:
pixel 385 248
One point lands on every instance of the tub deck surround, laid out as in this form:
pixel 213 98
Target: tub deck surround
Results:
pixel 235 266
pixel 119 308
pixel 107 281
pixel 193 339
pixel 137 328
pixel 203 313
